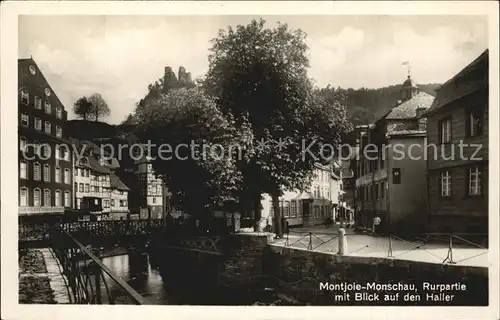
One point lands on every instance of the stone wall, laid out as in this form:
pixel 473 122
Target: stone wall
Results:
pixel 299 273
pixel 243 263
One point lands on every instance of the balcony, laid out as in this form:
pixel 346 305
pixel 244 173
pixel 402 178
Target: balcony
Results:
pixel 28 211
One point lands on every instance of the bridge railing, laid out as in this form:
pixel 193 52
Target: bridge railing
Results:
pixel 88 279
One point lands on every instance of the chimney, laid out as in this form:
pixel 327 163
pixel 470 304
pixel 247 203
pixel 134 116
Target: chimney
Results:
pixel 419 111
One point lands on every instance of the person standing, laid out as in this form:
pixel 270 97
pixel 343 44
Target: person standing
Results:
pixel 376 222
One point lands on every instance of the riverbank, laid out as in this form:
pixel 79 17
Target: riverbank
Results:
pixel 40 278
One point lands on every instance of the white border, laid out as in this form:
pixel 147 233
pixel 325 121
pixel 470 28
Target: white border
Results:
pixel 9 44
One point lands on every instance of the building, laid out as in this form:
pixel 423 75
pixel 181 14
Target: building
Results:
pixel 45 160
pixel 150 189
pixel 391 166
pixel 458 181
pixel 92 182
pixel 119 199
pixel 312 206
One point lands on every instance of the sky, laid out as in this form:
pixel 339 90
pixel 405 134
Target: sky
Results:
pixel 118 56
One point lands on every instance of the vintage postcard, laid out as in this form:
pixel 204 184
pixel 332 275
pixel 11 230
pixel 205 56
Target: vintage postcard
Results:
pixel 297 160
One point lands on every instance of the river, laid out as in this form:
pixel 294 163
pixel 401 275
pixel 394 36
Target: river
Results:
pixel 175 286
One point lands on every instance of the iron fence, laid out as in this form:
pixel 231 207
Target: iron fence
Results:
pixel 89 280
pixel 444 248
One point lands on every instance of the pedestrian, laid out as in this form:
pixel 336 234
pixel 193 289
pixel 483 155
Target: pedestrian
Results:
pixel 376 222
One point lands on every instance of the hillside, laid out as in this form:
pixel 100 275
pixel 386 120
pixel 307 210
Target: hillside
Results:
pixel 367 105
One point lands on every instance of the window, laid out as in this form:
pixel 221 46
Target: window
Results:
pixel 23 144
pixel 25 120
pixel 58 175
pixel 23 196
pixel 38 124
pixel 67 199
pixel 48 128
pixel 382 190
pixel 66 155
pixel 286 209
pixel 112 202
pixel 96 189
pixel 45 150
pixel 58 153
pixel 58 132
pixel 293 208
pixel 87 187
pixel 445 184
pixel 123 203
pixel 58 198
pixel 38 103
pixel 36 197
pixel 46 198
pixel 67 178
pixel 474 181
pixel 154 199
pixel 23 170
pixel 474 122
pixel 59 112
pixel 445 131
pixel 48 107
pixel 77 171
pixel 25 97
pixel 36 172
pixel 81 189
pixel 46 173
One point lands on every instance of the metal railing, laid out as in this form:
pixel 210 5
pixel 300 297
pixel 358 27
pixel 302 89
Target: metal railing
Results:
pixel 89 280
pixel 444 248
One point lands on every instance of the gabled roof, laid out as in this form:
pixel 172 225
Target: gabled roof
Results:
pixel 408 109
pixel 116 183
pixel 26 79
pixel 472 78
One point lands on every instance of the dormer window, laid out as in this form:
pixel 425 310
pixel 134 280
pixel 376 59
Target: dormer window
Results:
pixel 59 112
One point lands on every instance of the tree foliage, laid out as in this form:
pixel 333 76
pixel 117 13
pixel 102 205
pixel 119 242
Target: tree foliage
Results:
pixel 193 132
pixel 259 76
pixel 83 108
pixel 256 96
pixel 93 107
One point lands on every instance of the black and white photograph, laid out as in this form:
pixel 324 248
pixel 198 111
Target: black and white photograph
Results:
pixel 260 160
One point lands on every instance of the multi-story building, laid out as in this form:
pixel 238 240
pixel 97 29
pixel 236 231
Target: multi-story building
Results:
pixel 391 166
pixel 312 206
pixel 458 176
pixel 45 160
pixel 119 199
pixel 150 189
pixel 92 182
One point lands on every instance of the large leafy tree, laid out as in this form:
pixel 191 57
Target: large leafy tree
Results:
pixel 99 106
pixel 258 76
pixel 93 107
pixel 83 108
pixel 194 160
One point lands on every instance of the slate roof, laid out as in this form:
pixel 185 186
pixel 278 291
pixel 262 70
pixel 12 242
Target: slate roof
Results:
pixel 88 161
pixel 407 109
pixel 472 78
pixel 116 183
